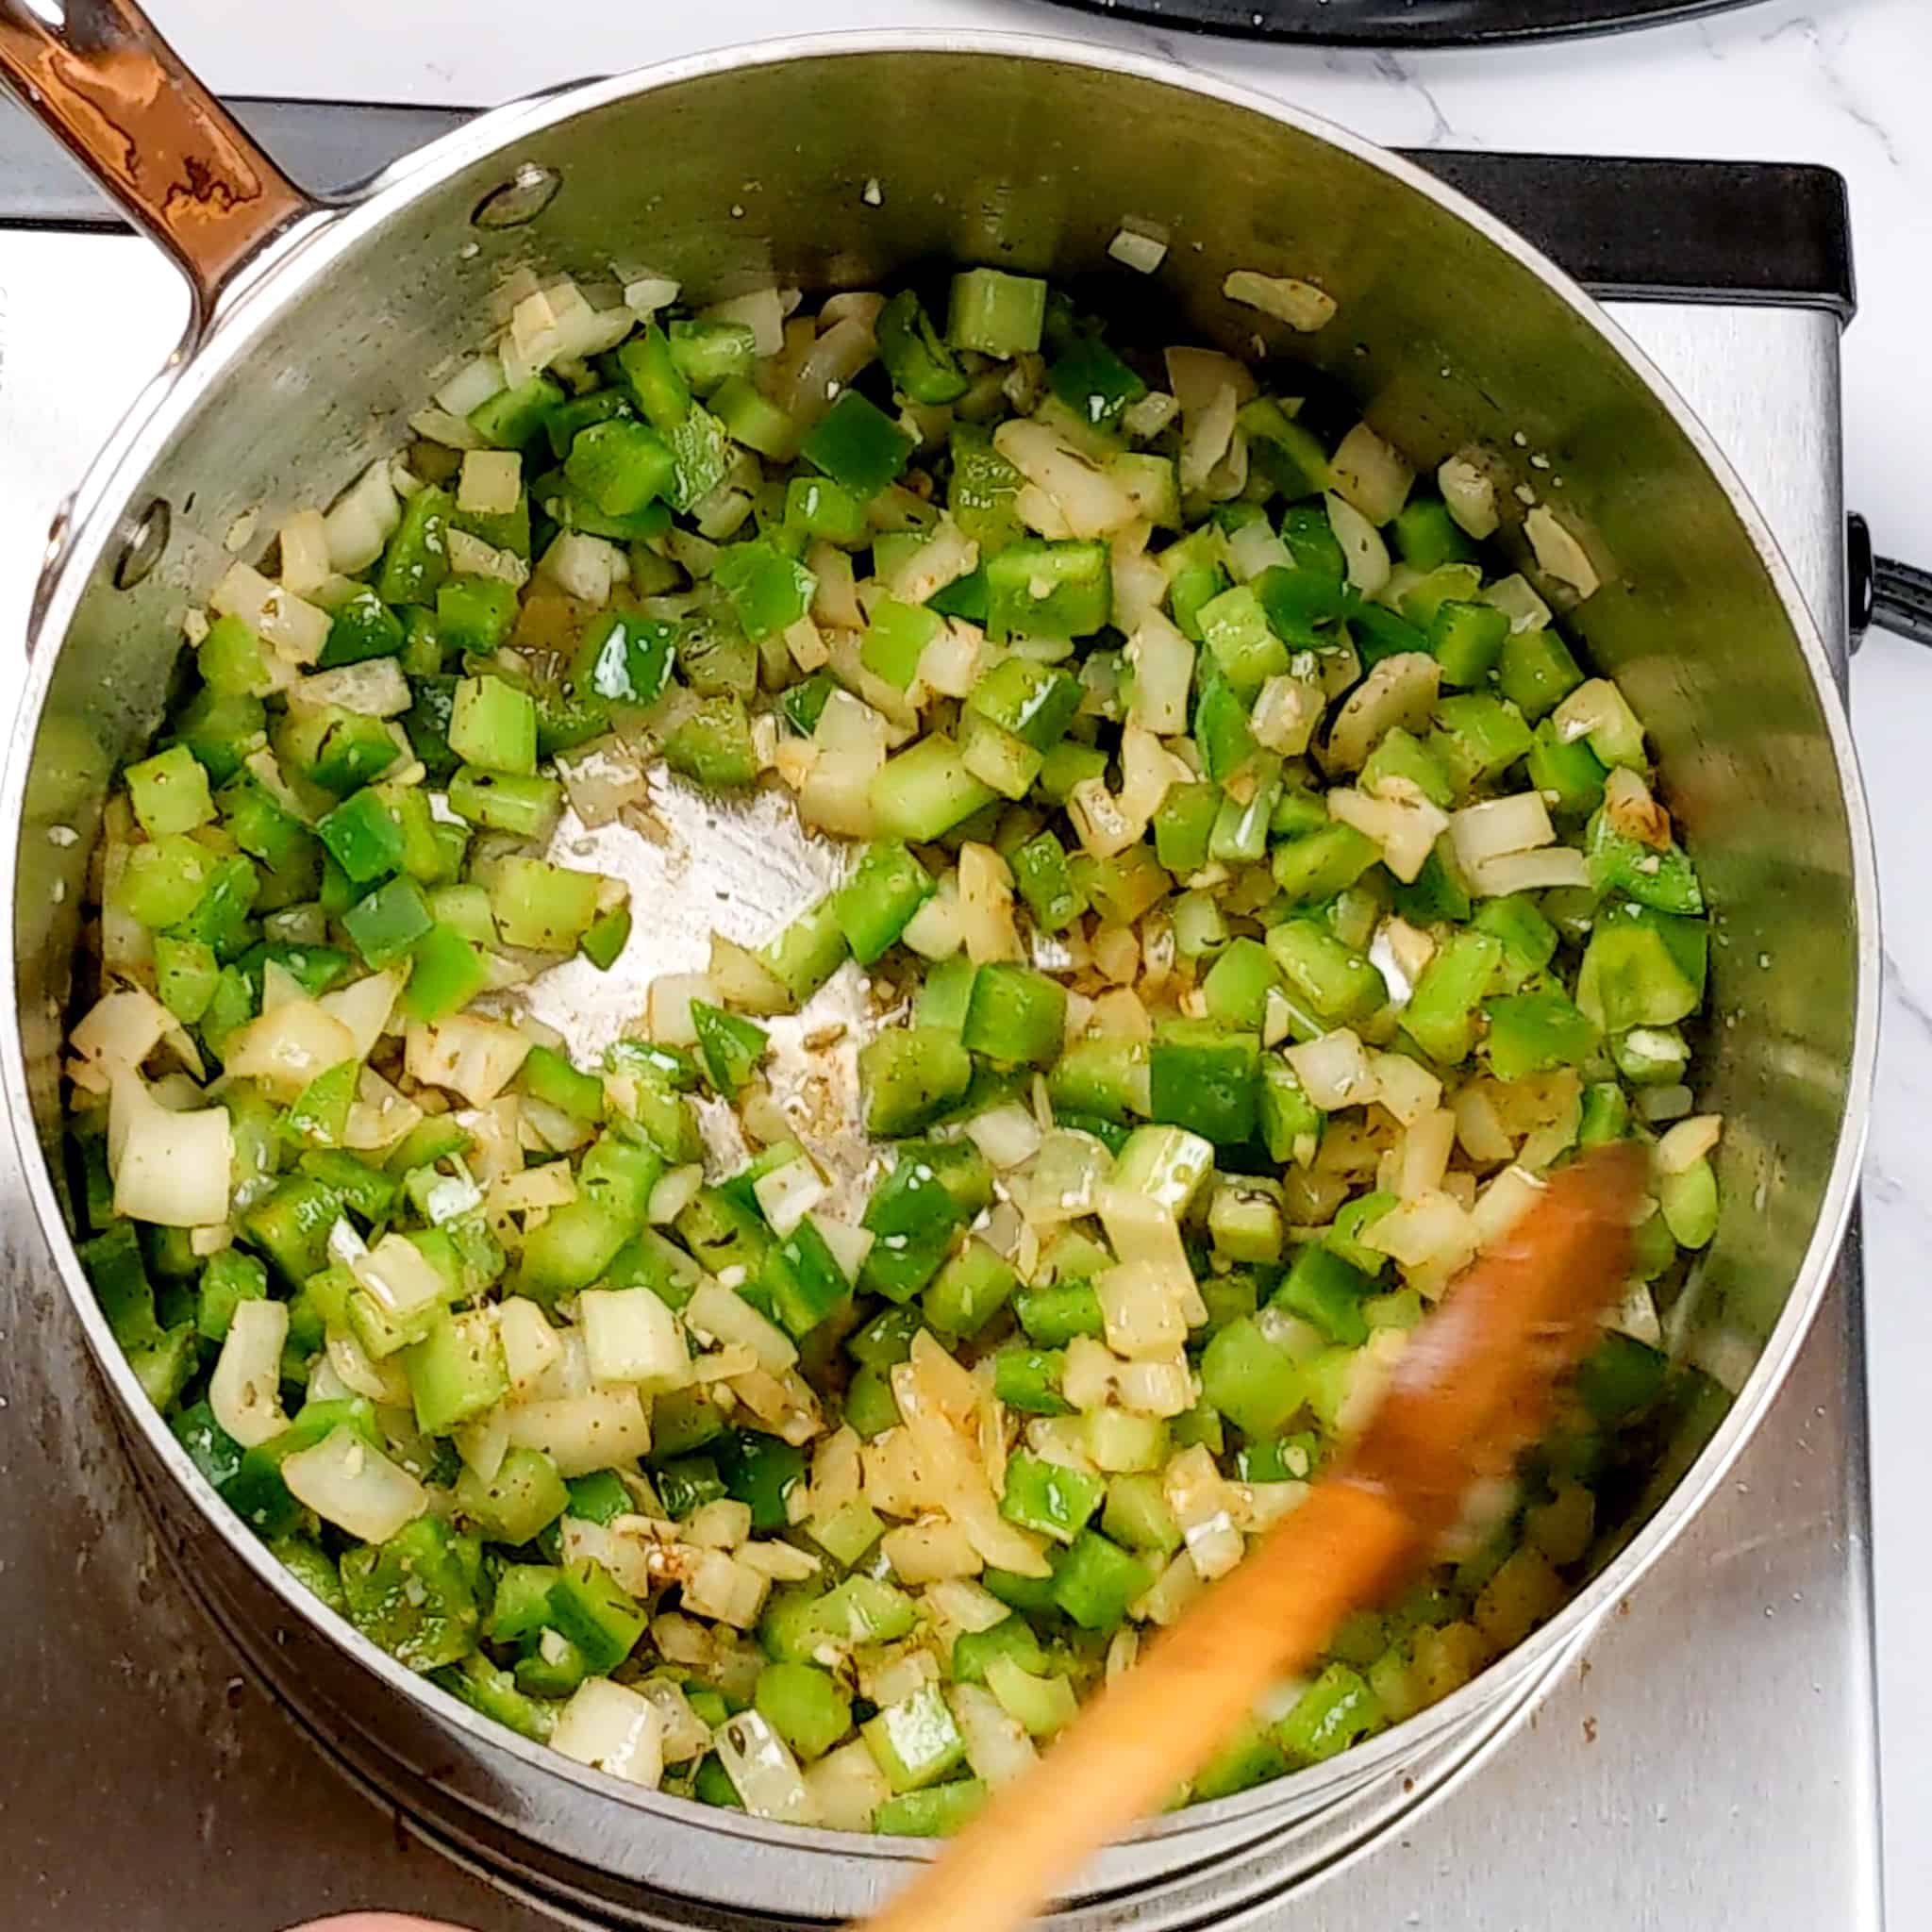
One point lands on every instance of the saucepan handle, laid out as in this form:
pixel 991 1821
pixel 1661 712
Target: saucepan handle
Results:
pixel 97 76
pixel 1894 596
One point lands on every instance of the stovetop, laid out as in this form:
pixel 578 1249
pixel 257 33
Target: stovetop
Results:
pixel 1709 1761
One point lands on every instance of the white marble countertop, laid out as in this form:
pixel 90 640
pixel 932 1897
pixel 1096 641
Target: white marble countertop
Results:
pixel 1841 82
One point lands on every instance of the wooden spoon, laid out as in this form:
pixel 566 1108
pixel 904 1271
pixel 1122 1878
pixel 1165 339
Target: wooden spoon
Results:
pixel 1473 1388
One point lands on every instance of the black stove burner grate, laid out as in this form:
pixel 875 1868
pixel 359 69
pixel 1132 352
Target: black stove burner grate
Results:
pixel 1407 23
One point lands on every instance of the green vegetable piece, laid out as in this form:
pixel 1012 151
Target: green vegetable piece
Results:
pixel 1620 1378
pixel 933 1190
pixel 1205 1078
pixel 1015 1016
pixel 1029 1380
pixel 1049 1497
pixel 621 466
pixel 1255 1382
pixel 1467 640
pixel 388 922
pixel 922 367
pixel 545 907
pixel 514 418
pixel 1246 651
pixel 996 313
pixel 877 904
pixel 1441 1012
pixel 1568 775
pixel 1531 1032
pixel 1337 983
pixel 413 1595
pixel 1094 382
pixel 1043 589
pixel 1336 1710
pixel 805 1705
pixel 1642 968
pixel 230 661
pixel 803 1279
pixel 1663 879
pixel 1536 672
pixel 1045 882
pixel 938 1812
pixel 1095 1581
pixel 363 837
pixel 763 1473
pixel 1053 1315
pixel 909 1077
pixel 769 590
pixel 493 725
pixel 1326 1290
pixel 520 1502
pixel 475 614
pixel 1315 868
pixel 858 445
pixel 815 507
pixel 446 973
pixel 417 557
pixel 604 1620
pixel 1290 1122
pixel 972 1287
pixel 170 793
pixel 915 1741
pixel 925 791
pixel 456 1373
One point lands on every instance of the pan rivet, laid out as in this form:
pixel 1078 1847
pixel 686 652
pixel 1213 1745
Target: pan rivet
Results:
pixel 142 547
pixel 520 199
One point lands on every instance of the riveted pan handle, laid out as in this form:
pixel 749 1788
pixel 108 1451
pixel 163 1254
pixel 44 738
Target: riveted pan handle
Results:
pixel 97 76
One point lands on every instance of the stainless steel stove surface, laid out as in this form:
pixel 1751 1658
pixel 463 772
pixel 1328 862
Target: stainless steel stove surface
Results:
pixel 1707 1760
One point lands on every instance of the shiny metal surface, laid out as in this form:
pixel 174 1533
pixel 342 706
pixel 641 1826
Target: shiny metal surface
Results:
pixel 1486 344
pixel 1712 1767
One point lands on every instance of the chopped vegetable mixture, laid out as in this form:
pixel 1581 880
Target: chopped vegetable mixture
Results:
pixel 1255 894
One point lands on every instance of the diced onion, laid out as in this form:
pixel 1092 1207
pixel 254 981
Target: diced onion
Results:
pixel 1519 822
pixel 1093 503
pixel 1529 871
pixel 997 1746
pixel 373 689
pixel 762 312
pixel 287 1048
pixel 1502 1204
pixel 717 1312
pixel 787 1194
pixel 363 520
pixel 649 293
pixel 355 1487
pixel 1364 554
pixel 1141 1313
pixel 1197 377
pixel 1301 305
pixel 1334 1071
pixel 668 1005
pixel 467 1054
pixel 929 1551
pixel 1371 474
pixel 597 1429
pixel 244 1391
pixel 1163 664
pixel 296 629
pixel 397 1273
pixel 530 1345
pixel 585 566
pixel 1688 1142
pixel 630 1336
pixel 172 1168
pixel 490 482
pixel 452 432
pixel 1209 433
pixel 986 905
pixel 1470 495
pixel 1514 596
pixel 1131 248
pixel 762 1769
pixel 120 1029
pixel 1558 554
pixel 303 542
pixel 1402 824
pixel 1406 1086
pixel 1422 1231
pixel 612 1729
pixel 1399 691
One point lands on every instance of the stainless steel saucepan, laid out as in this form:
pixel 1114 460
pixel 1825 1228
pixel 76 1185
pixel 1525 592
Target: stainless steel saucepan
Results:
pixel 834 164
